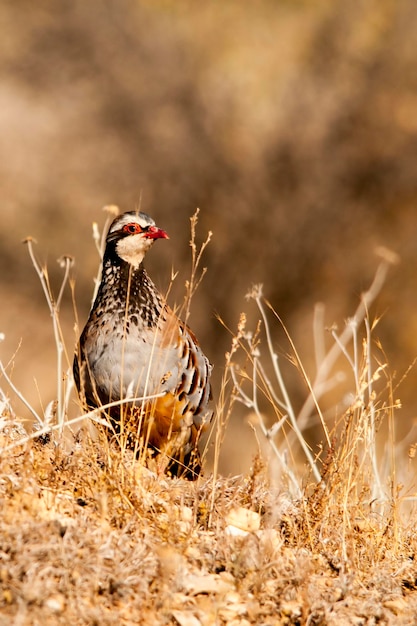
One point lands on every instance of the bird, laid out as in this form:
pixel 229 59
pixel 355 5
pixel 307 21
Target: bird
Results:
pixel 136 352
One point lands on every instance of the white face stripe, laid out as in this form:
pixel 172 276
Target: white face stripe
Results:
pixel 131 217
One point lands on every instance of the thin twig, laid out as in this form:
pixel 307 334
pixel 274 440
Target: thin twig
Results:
pixel 20 395
pixel 193 282
pixel 333 354
pixel 281 383
pixel 53 306
pixel 93 415
pixel 377 490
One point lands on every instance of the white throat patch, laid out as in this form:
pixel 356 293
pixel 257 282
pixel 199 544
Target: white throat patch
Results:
pixel 132 249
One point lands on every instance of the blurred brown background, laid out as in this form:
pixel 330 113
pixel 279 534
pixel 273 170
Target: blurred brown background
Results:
pixel 291 124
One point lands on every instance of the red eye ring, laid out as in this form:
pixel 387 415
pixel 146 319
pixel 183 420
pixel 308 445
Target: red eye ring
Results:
pixel 132 228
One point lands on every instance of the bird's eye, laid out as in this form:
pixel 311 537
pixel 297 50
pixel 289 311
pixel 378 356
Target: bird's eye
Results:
pixel 132 228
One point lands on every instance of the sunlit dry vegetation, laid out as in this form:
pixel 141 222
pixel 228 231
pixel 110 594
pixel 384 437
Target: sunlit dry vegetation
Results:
pixel 292 126
pixel 317 533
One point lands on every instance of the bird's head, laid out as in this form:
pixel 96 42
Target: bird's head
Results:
pixel 132 234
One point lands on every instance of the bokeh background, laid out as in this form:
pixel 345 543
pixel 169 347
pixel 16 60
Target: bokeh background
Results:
pixel 292 125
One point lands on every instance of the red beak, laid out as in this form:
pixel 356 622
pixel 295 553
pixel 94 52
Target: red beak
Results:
pixel 154 232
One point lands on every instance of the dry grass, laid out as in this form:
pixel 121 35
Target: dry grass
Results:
pixel 316 533
pixel 90 540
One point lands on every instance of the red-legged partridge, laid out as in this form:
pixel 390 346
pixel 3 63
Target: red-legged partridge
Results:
pixel 134 346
